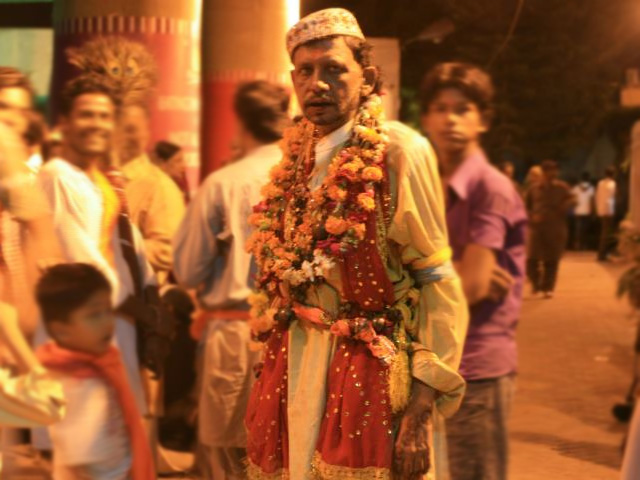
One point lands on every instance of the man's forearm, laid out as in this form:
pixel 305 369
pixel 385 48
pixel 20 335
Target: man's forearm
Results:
pixel 422 398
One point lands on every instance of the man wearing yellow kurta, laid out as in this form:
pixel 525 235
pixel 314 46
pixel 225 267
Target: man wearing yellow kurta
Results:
pixel 361 312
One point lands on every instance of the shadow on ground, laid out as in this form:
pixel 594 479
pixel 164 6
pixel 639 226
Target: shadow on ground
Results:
pixel 591 452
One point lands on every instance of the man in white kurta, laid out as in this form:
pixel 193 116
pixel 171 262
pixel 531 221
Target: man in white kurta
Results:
pixel 333 76
pixel 80 205
pixel 210 256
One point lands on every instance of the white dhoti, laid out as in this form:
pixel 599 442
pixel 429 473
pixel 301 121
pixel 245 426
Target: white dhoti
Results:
pixel 226 381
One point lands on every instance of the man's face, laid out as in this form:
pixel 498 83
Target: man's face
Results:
pixel 90 328
pixel 134 133
pixel 453 121
pixel 88 129
pixel 14 103
pixel 329 82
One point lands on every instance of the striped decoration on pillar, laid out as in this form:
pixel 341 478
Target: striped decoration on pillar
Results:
pixel 119 25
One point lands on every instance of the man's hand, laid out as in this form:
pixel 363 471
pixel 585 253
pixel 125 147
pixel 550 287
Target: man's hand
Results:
pixel 501 284
pixel 482 277
pixel 411 455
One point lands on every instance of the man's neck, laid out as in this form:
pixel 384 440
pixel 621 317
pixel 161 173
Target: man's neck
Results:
pixel 252 148
pixel 324 130
pixel 83 162
pixel 451 161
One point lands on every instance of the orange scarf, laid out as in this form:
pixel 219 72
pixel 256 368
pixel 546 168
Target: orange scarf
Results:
pixel 110 210
pixel 109 367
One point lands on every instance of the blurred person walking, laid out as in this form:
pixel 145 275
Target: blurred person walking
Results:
pixel 210 257
pixel 583 193
pixel 20 137
pixel 606 209
pixel 87 212
pixel 548 203
pixel 533 178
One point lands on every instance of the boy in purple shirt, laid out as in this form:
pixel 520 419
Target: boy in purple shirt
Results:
pixel 487 223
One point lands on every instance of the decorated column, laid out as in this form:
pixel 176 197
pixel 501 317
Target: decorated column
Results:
pixel 242 40
pixel 170 30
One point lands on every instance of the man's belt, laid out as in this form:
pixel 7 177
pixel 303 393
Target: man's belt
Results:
pixel 202 317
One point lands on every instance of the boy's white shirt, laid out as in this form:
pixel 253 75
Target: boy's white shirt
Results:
pixel 93 430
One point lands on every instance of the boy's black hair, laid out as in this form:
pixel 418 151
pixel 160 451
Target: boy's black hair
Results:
pixel 472 81
pixel 165 150
pixel 66 287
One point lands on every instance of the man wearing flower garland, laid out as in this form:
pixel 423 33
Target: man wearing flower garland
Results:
pixel 362 315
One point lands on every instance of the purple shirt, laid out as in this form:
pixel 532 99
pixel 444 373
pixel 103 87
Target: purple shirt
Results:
pixel 484 208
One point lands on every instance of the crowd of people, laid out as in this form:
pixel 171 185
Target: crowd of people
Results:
pixel 339 301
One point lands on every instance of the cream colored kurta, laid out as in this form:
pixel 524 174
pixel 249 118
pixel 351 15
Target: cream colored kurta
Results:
pixel 419 230
pixel 156 206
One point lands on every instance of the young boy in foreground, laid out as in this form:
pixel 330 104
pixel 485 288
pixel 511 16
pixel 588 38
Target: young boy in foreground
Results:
pixel 102 436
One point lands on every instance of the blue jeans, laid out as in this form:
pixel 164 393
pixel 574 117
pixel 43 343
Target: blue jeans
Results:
pixel 477 437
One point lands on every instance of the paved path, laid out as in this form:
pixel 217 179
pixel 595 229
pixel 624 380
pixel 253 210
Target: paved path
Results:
pixel 575 357
pixel 575 363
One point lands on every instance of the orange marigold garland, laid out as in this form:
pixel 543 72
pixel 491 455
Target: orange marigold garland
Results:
pixel 299 233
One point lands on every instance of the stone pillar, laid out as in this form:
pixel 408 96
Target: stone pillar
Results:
pixel 170 29
pixel 242 40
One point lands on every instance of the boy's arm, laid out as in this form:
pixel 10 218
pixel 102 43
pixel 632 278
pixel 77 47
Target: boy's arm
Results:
pixel 482 277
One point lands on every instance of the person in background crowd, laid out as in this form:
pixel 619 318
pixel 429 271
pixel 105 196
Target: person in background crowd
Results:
pixel 170 158
pixel 533 178
pixel 102 435
pixel 606 209
pixel 210 256
pixel 509 170
pixel 21 247
pixel 35 137
pixel 16 99
pixel 156 204
pixel 27 243
pixel 548 203
pixel 487 223
pixel 583 193
pixel 87 211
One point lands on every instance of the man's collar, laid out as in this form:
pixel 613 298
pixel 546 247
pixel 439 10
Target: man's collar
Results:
pixel 461 180
pixel 335 138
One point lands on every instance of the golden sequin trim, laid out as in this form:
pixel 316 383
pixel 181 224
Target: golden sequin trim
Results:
pixel 255 473
pixel 320 470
